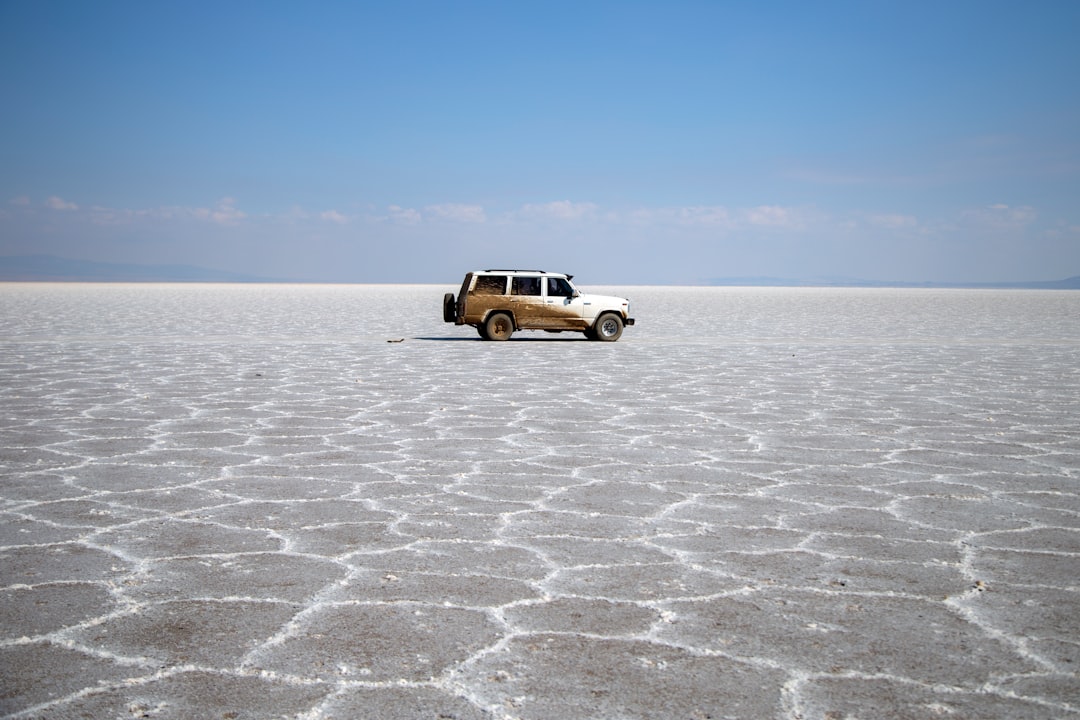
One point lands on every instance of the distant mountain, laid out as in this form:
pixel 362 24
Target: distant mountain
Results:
pixel 1072 283
pixel 49 268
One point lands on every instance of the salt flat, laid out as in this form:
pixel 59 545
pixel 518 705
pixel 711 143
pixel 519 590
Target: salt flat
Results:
pixel 243 502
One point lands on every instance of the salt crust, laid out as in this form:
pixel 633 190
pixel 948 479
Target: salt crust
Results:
pixel 240 501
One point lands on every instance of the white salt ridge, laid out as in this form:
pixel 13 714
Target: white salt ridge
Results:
pixel 241 501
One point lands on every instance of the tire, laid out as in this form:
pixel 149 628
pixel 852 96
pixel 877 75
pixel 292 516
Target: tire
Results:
pixel 608 328
pixel 449 308
pixel 499 326
pixel 481 330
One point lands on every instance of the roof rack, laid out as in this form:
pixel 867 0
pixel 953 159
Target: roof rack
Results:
pixel 513 270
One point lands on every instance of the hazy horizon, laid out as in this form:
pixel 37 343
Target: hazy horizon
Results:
pixel 47 268
pixel 224 312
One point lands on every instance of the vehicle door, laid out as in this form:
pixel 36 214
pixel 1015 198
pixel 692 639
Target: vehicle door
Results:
pixel 527 300
pixel 562 306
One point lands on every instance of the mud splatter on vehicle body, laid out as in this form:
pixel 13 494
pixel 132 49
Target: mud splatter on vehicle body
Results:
pixel 498 302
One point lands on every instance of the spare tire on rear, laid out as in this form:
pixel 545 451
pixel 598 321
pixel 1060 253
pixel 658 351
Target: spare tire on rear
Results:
pixel 449 308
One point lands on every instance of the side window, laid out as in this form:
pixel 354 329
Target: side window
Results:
pixel 490 285
pixel 557 287
pixel 525 286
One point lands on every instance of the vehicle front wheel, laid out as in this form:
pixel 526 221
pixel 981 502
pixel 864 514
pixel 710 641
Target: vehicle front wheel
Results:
pixel 608 328
pixel 499 327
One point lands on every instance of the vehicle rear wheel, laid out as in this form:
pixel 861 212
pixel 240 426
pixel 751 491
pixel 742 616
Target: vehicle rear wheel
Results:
pixel 499 326
pixel 608 327
pixel 449 308
pixel 481 330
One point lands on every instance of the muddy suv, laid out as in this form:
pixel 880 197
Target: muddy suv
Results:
pixel 498 302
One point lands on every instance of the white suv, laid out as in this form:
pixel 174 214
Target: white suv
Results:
pixel 498 302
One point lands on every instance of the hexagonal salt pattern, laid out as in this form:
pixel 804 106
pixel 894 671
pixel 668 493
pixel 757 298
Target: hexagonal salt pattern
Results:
pixel 242 502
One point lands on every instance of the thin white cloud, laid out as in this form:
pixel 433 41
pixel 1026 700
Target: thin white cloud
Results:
pixel 109 216
pixel 894 221
pixel 713 216
pixel 457 212
pixel 772 216
pixel 22 201
pixel 721 217
pixel 58 204
pixel 334 216
pixel 405 216
pixel 558 210
pixel 1001 216
pixel 226 213
pixel 297 213
pixel 707 215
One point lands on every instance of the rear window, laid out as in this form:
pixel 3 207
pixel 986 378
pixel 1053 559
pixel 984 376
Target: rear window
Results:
pixel 525 286
pixel 490 285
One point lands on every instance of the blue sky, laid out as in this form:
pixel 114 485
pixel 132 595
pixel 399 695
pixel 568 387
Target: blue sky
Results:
pixel 624 142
